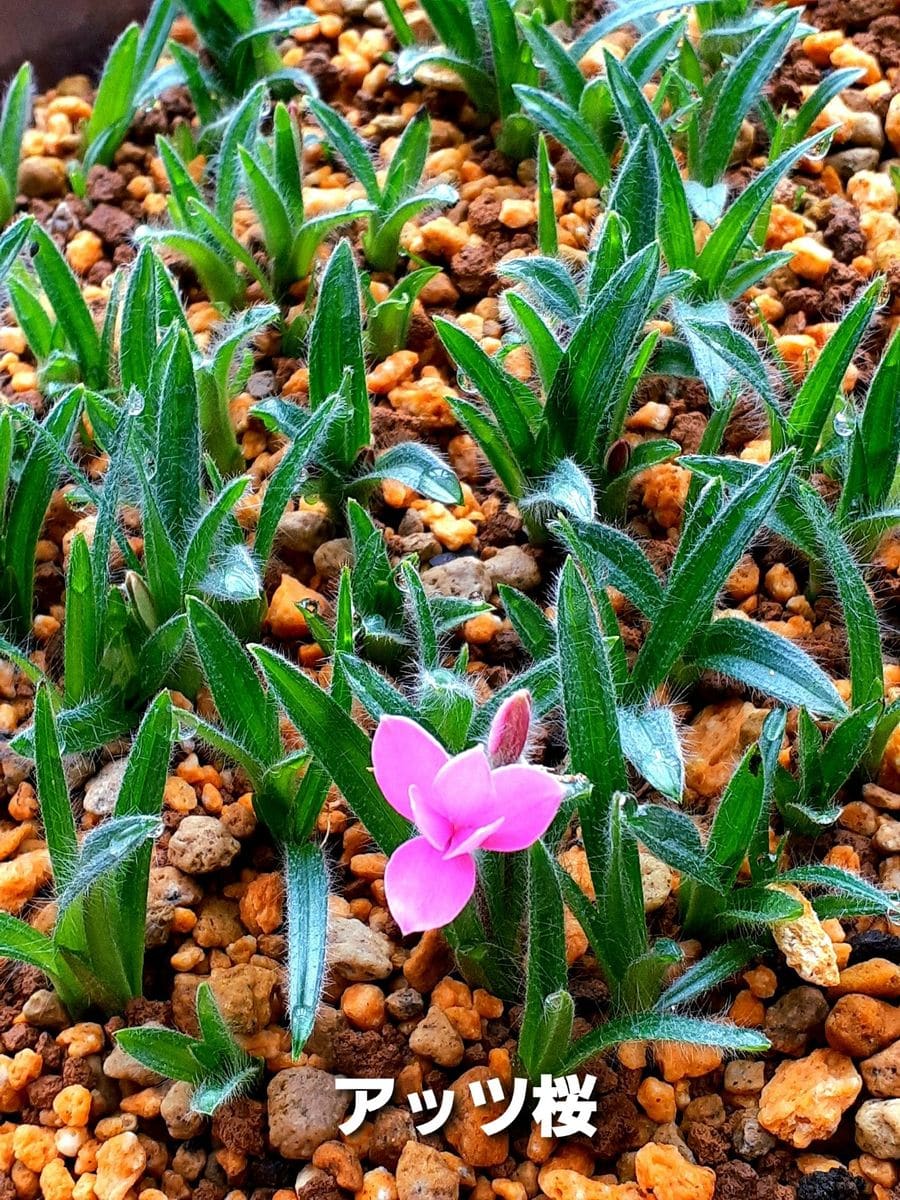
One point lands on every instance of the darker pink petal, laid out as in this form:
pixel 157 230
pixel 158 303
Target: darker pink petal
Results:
pixel 508 734
pixel 424 890
pixel 403 754
pixel 528 798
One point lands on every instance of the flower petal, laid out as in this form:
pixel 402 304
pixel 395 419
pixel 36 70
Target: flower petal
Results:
pixel 425 890
pixel 529 798
pixel 429 822
pixel 466 841
pixel 403 754
pixel 463 791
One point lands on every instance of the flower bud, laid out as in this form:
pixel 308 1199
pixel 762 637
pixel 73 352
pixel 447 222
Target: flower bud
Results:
pixel 509 730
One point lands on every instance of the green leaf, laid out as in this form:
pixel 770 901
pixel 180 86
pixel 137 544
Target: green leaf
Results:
pixel 752 654
pixel 240 132
pixel 718 255
pixel 814 402
pixel 306 895
pixel 875 449
pixel 381 242
pixel 699 572
pixel 22 943
pixel 635 194
pixel 718 350
pixel 284 481
pixel 64 293
pixel 567 489
pixel 673 837
pixel 338 744
pixel 141 794
pixel 336 361
pixel 650 743
pixel 595 358
pixel 247 712
pixel 860 614
pixel 535 632
pixel 844 886
pixel 710 972
pixel 53 794
pixel 420 468
pixel 177 477
pixel 82 635
pixel 13 120
pixel 742 85
pixel 569 128
pixel 549 1010
pixel 115 99
pixel 610 556
pixel 492 444
pixel 542 342
pixel 548 241
pixel 105 849
pixel 676 229
pixel 207 535
pixel 344 139
pixel 550 283
pixel 663 1027
pixel 758 906
pixel 511 402
pixel 164 1051
pixel 11 243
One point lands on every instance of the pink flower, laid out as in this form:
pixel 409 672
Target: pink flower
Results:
pixel 459 804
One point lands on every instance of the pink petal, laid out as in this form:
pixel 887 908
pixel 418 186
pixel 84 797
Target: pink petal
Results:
pixel 463 790
pixel 529 798
pixel 403 754
pixel 465 841
pixel 425 890
pixel 436 829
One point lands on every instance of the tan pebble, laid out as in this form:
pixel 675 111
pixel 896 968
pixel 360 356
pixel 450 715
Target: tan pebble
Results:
pixel 874 977
pixel 34 1146
pixel 435 1038
pixel 377 1185
pixel 22 878
pixel 120 1164
pixel 650 416
pixel 657 1099
pixel 780 582
pixel 663 1173
pixel 363 1005
pixel 563 1184
pixel 464 1129
pixel 84 251
pixel 811 259
pixel 56 1181
pixel 284 618
pixel 861 1025
pixel 82 1039
pixel 762 982
pixel 422 1171
pixel 881 1073
pixel 678 1060
pixel 262 904
pixel 517 214
pixel 804 1100
pixel 73 1105
pixel 806 946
